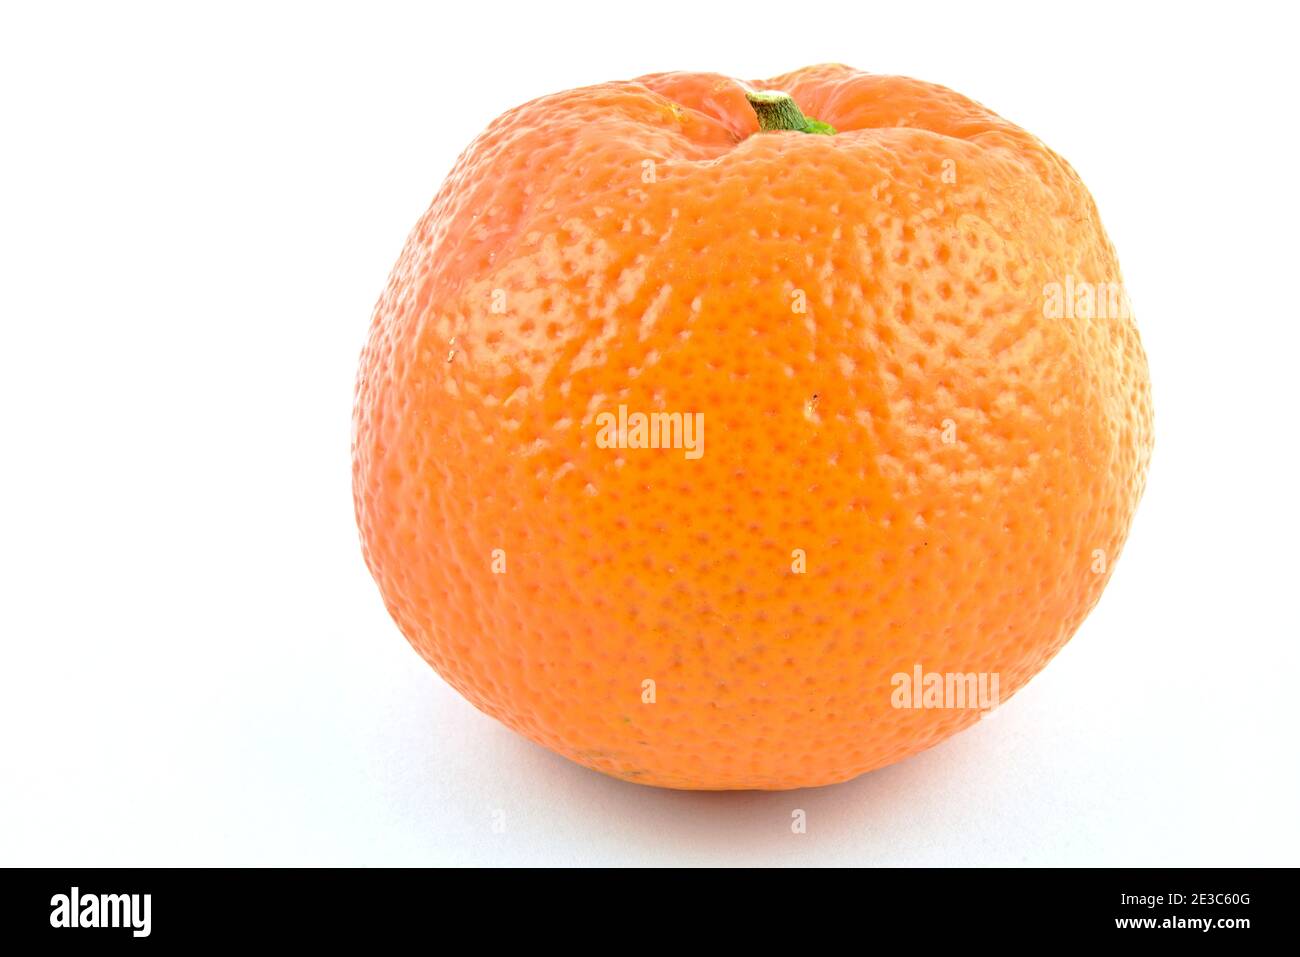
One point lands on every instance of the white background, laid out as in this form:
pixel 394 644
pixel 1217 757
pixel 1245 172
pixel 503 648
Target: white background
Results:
pixel 200 205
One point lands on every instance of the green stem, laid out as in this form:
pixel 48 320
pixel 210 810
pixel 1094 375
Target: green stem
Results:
pixel 777 111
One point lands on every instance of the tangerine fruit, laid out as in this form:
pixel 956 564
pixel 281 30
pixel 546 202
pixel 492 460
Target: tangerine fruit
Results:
pixel 707 429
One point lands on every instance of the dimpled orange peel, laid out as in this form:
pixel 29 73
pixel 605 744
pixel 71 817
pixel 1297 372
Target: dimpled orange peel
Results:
pixel 703 423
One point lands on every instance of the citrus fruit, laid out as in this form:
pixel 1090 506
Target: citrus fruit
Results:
pixel 715 435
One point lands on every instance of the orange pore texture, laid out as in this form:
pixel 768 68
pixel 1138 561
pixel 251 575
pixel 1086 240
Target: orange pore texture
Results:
pixel 958 467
